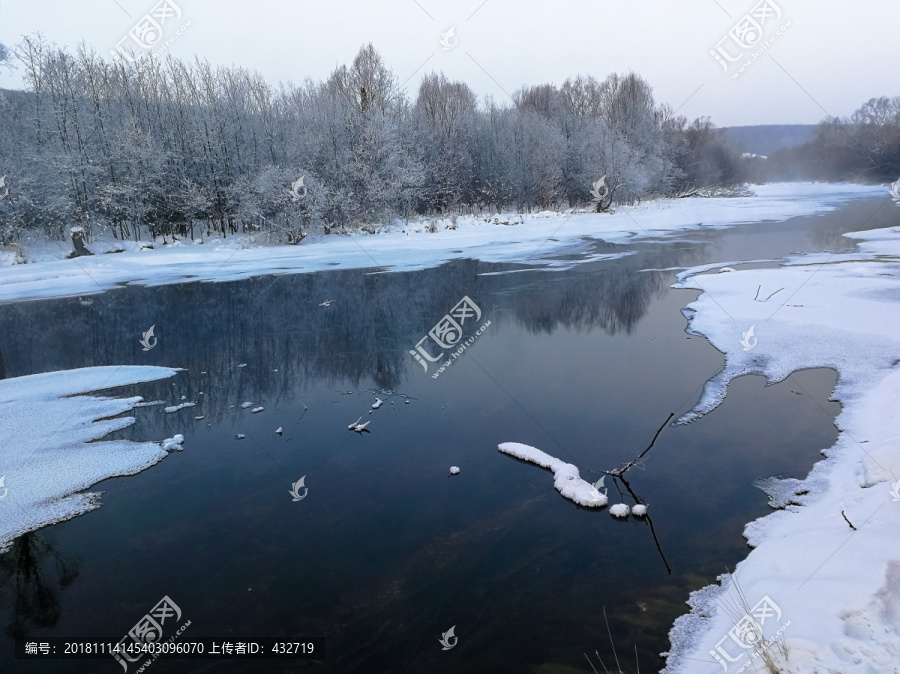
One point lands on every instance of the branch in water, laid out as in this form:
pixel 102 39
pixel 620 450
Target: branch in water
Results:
pixel 619 472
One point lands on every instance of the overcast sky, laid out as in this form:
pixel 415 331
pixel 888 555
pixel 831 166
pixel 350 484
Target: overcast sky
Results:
pixel 829 57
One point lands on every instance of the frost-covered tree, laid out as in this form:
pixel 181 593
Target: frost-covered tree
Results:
pixel 181 148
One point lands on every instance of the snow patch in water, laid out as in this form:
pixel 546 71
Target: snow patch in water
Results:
pixel 50 451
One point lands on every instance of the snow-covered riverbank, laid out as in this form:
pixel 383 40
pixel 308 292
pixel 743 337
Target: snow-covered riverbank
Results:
pixel 824 576
pixel 542 240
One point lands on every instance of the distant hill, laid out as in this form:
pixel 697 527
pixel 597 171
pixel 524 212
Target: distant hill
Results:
pixel 765 139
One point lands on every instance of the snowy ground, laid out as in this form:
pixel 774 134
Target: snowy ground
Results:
pixel 832 591
pixel 49 454
pixel 542 240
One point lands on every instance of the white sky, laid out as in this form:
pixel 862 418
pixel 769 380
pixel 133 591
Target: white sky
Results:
pixel 833 57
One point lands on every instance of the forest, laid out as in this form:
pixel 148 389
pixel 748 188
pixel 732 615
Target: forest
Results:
pixel 187 149
pixel 864 147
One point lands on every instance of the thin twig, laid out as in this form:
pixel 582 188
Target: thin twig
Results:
pixel 773 294
pixel 619 472
pixel 591 664
pixel 658 547
pixel 757 292
pixel 618 666
pixel 648 518
pixel 848 521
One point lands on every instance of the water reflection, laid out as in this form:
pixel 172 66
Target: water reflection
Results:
pixel 210 329
pixel 31 574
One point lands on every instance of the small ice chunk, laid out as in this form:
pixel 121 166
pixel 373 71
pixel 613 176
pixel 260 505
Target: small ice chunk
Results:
pixel 378 403
pixel 239 436
pixel 454 470
pixel 619 510
pixel 175 408
pixel 243 365
pixel 173 444
pixel 150 404
pixel 278 430
pixel 198 418
pixel 257 409
pixel 246 405
pixel 639 510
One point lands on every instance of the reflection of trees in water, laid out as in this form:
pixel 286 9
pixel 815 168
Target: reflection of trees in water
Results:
pixel 862 215
pixel 612 295
pixel 31 573
pixel 276 323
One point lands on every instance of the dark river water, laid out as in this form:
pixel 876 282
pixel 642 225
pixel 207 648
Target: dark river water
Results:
pixel 386 552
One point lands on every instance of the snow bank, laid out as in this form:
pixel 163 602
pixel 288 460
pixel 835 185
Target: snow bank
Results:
pixel 44 456
pixel 538 242
pixel 566 477
pixel 832 591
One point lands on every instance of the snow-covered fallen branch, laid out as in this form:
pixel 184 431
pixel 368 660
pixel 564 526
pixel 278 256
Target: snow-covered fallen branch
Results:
pixel 566 477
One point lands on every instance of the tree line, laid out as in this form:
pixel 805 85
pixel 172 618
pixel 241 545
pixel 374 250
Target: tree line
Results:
pixel 184 148
pixel 864 147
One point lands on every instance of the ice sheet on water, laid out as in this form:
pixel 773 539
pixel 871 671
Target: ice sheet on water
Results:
pixel 49 453
pixel 839 599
